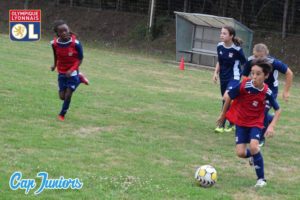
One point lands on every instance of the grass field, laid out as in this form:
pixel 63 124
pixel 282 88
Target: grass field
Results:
pixel 137 132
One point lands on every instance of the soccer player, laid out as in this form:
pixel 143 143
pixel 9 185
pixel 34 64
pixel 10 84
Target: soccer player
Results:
pixel 261 51
pixel 247 113
pixel 68 55
pixel 228 67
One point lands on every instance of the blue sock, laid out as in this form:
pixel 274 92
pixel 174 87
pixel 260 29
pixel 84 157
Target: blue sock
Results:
pixel 259 165
pixel 248 154
pixel 65 107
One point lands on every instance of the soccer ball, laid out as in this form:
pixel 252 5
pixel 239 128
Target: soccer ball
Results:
pixel 206 175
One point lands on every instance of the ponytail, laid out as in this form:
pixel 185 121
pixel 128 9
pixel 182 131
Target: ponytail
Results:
pixel 236 40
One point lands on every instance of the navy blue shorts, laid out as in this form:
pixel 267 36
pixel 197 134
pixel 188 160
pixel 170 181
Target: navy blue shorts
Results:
pixel 243 135
pixel 228 85
pixel 65 82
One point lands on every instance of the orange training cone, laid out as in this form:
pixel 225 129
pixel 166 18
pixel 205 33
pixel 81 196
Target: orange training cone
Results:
pixel 181 65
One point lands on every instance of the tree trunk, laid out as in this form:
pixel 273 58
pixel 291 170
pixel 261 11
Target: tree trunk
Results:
pixel 242 10
pixel 100 4
pixel 169 8
pixel 203 6
pixel 26 4
pixel 292 21
pixel 119 5
pixel 151 14
pixel 286 6
pixel 225 7
pixel 185 6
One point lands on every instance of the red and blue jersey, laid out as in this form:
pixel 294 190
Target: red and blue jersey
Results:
pixel 68 54
pixel 272 80
pixel 247 108
pixel 230 60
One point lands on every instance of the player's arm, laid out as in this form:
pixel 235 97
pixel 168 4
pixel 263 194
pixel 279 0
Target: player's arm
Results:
pixel 79 49
pixel 55 60
pixel 247 69
pixel 270 130
pixel 226 105
pixel 228 96
pixel 216 73
pixel 242 57
pixel 288 84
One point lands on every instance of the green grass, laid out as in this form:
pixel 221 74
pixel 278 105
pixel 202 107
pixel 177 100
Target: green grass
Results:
pixel 137 132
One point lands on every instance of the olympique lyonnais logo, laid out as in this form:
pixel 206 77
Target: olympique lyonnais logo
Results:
pixel 25 25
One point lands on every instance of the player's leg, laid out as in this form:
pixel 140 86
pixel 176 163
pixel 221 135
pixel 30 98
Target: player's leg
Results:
pixel 62 85
pixel 231 84
pixel 72 84
pixel 66 103
pixel 242 138
pixel 61 94
pixel 83 79
pixel 258 160
pixel 223 86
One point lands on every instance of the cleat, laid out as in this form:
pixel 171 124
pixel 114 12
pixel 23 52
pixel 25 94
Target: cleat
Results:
pixel 83 79
pixel 229 129
pixel 219 130
pixel 251 162
pixel 260 183
pixel 61 118
pixel 262 142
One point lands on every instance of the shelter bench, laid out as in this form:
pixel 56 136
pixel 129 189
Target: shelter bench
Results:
pixel 201 52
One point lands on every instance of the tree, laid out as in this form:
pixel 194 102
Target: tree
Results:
pixel 286 6
pixel 292 18
pixel 26 4
pixel 242 10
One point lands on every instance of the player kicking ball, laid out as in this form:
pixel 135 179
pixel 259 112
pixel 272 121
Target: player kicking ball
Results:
pixel 247 113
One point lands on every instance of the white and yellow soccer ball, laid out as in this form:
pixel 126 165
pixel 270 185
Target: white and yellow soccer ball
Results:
pixel 206 175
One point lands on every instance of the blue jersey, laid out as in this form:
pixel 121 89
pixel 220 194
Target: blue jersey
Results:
pixel 272 80
pixel 230 61
pixel 78 46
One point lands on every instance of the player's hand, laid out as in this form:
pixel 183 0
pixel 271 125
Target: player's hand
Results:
pixel 68 73
pixel 52 68
pixel 220 120
pixel 269 132
pixel 215 78
pixel 285 96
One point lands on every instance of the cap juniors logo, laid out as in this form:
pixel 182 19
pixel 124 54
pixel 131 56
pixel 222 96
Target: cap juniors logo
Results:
pixel 25 25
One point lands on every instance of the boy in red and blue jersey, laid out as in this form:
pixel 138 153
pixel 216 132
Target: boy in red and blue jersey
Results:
pixel 247 113
pixel 68 55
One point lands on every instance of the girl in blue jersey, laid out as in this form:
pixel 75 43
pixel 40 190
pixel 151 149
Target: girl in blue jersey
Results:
pixel 228 67
pixel 261 51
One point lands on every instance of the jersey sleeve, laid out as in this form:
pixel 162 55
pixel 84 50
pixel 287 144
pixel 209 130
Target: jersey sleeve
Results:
pixel 242 57
pixel 247 68
pixel 272 100
pixel 235 91
pixel 280 66
pixel 79 49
